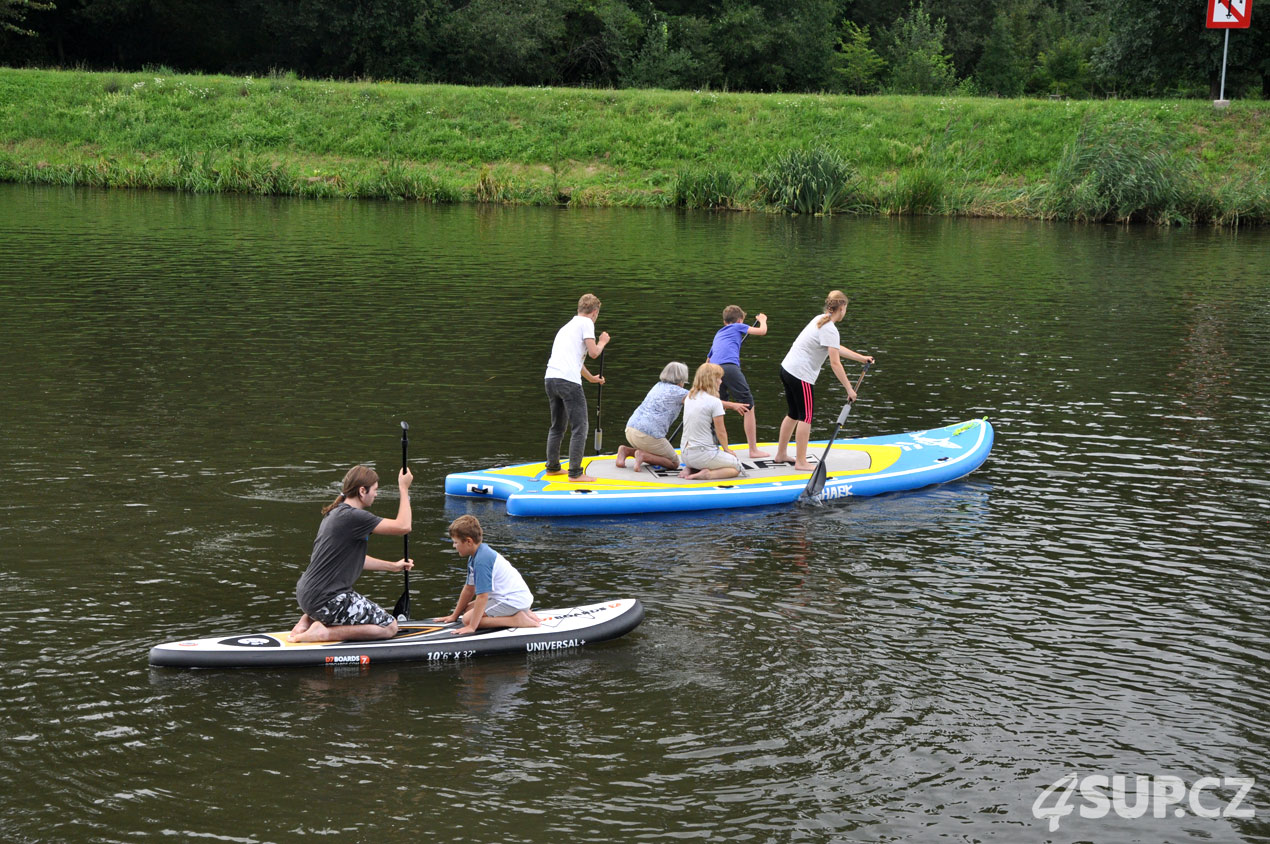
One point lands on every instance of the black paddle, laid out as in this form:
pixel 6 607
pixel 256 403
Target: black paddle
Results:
pixel 816 483
pixel 402 611
pixel 599 397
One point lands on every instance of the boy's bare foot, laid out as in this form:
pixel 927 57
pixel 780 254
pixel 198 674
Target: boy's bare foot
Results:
pixel 559 471
pixel 582 479
pixel 758 453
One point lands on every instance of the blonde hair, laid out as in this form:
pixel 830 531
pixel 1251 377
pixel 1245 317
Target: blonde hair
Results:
pixel 835 300
pixel 588 303
pixel 733 313
pixel 356 478
pixel 674 373
pixel 467 527
pixel 706 380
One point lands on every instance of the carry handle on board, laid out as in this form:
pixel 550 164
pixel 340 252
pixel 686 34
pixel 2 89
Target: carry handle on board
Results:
pixel 401 612
pixel 816 483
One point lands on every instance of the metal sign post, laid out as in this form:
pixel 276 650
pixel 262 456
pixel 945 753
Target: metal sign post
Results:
pixel 1228 15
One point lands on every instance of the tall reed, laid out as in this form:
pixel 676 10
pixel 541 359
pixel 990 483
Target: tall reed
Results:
pixel 708 188
pixel 1122 172
pixel 810 181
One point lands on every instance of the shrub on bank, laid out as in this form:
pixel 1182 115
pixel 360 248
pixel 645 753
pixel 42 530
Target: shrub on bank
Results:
pixel 810 181
pixel 1121 172
pixel 708 188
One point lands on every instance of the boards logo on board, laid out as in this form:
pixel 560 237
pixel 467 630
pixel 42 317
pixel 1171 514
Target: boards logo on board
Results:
pixel 348 659
pixel 531 647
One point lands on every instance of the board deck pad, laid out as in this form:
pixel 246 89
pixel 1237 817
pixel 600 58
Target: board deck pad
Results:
pixel 764 468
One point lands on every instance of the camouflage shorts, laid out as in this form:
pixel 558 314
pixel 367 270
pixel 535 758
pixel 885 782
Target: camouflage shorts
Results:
pixel 350 608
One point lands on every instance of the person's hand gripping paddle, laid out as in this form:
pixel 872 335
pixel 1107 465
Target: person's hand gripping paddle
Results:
pixel 401 612
pixel 816 483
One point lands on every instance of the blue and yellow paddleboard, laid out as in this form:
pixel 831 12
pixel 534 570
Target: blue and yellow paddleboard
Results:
pixel 856 467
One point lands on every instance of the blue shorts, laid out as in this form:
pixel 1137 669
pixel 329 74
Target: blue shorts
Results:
pixel 349 608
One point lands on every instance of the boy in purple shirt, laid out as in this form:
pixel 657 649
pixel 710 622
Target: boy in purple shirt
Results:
pixel 726 352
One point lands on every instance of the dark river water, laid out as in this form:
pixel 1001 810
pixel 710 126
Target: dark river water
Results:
pixel 185 380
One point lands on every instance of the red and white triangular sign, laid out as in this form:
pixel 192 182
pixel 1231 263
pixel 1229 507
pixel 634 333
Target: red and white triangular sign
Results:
pixel 1229 14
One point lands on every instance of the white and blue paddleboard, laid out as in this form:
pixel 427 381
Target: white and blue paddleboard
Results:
pixel 416 641
pixel 856 467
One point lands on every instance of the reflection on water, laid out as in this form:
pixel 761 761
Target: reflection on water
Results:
pixel 187 379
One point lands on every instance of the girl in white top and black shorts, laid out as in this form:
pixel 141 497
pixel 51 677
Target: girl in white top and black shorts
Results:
pixel 800 369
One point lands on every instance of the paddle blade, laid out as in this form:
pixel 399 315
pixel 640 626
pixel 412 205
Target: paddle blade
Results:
pixel 401 612
pixel 816 484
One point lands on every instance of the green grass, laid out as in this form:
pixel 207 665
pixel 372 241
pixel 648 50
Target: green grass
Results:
pixel 905 155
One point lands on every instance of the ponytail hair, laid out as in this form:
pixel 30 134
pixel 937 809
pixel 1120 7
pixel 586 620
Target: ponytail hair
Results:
pixel 836 299
pixel 356 478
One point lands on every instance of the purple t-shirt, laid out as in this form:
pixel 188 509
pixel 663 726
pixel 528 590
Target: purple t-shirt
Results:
pixel 727 344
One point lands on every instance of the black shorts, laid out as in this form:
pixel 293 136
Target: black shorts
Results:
pixel 799 397
pixel 734 387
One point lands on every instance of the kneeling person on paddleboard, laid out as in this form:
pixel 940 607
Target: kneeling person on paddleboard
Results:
pixel 333 612
pixel 704 446
pixel 494 595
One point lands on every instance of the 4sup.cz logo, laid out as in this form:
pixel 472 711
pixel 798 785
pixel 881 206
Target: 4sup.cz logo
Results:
pixel 1098 795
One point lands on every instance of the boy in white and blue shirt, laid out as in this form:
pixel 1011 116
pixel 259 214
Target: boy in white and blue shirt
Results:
pixel 494 594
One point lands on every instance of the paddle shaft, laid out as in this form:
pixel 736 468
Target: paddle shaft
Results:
pixel 599 398
pixel 402 610
pixel 818 476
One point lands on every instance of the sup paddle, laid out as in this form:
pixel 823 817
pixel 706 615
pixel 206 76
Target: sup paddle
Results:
pixel 816 482
pixel 401 612
pixel 599 397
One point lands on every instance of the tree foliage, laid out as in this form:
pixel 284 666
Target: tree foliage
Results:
pixel 1066 47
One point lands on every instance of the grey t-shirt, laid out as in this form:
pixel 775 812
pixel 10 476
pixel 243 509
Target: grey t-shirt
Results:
pixel 339 553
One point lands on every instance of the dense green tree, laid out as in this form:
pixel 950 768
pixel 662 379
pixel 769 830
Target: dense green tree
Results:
pixel 856 65
pixel 1163 46
pixel 13 14
pixel 916 57
pixel 1071 47
pixel 1003 67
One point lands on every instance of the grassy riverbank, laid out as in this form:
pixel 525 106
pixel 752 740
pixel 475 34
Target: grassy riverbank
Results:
pixel 1161 161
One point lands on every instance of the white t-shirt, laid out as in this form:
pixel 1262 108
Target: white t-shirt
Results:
pixel 808 354
pixel 569 349
pixel 699 413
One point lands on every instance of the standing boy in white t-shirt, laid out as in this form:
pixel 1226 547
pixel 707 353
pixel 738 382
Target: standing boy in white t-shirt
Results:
pixel 565 370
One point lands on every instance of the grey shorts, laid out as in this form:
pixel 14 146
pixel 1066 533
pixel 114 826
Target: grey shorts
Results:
pixel 734 387
pixel 349 608
pixel 497 609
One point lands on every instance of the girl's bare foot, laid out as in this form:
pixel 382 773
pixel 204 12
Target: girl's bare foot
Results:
pixel 622 453
pixel 758 453
pixel 806 467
